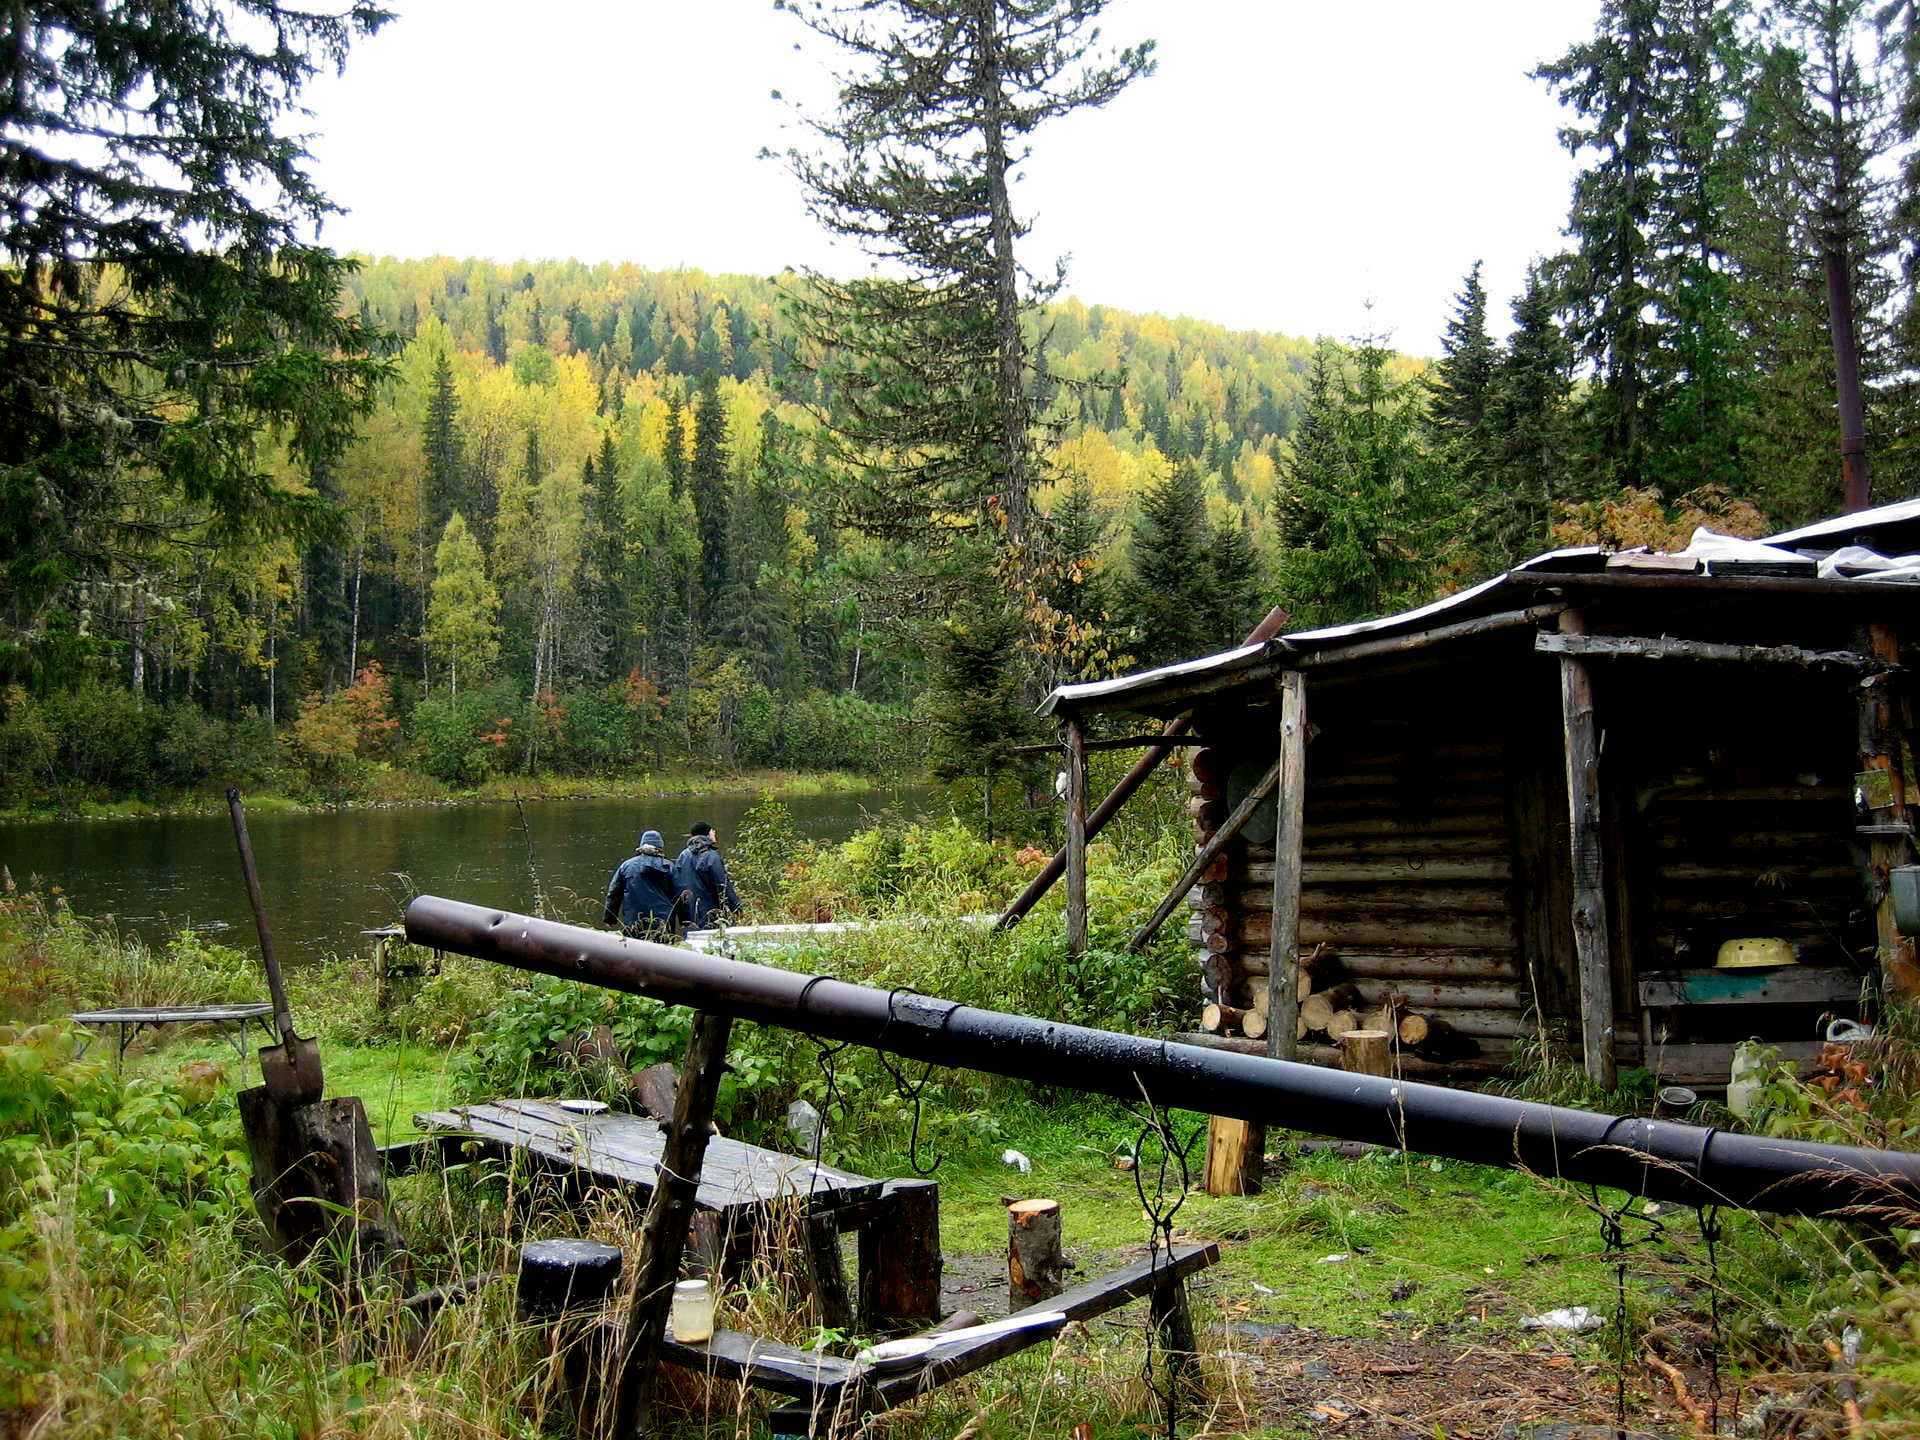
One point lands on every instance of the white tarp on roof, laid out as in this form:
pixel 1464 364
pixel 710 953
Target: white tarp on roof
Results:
pixel 1842 527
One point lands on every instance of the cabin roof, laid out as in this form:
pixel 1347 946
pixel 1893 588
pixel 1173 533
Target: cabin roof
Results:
pixel 1514 596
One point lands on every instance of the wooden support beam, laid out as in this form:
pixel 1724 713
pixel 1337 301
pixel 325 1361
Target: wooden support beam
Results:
pixel 1124 787
pixel 1587 829
pixel 1108 742
pixel 1076 738
pixel 1204 856
pixel 1640 647
pixel 1283 996
pixel 1427 639
pixel 900 1258
pixel 1888 838
pixel 663 1234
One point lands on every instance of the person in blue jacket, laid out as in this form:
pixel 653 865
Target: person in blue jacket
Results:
pixel 702 877
pixel 644 897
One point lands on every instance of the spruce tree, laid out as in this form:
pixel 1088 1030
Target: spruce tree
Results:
pixel 1238 583
pixel 1366 514
pixel 440 446
pixel 1460 385
pixel 1169 592
pixel 711 498
pixel 1611 82
pixel 1528 441
pixel 675 443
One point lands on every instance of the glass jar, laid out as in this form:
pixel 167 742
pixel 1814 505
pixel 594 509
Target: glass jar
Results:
pixel 690 1321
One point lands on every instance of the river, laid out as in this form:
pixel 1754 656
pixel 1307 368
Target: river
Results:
pixel 330 875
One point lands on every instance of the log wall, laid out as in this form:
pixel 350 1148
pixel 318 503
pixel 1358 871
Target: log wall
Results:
pixel 1407 888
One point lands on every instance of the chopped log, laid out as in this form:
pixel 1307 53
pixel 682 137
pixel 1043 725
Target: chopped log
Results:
pixel 1210 764
pixel 1366 1052
pixel 1300 1027
pixel 557 1276
pixel 1638 647
pixel 1257 997
pixel 900 1257
pixel 1316 1010
pixel 1304 986
pixel 1236 1156
pixel 1036 1263
pixel 1230 1020
pixel 1413 1030
pixel 1340 1022
pixel 1344 996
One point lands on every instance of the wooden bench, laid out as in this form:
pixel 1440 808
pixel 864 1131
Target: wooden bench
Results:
pixel 828 1391
pixel 132 1019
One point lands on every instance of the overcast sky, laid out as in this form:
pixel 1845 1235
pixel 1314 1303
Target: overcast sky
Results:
pixel 1291 159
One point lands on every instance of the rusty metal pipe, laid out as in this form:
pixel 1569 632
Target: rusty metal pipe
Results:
pixel 1683 1163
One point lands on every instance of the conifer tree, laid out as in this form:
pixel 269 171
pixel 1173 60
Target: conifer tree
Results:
pixel 1238 583
pixel 1607 283
pixel 1366 513
pixel 1460 385
pixel 1170 594
pixel 462 618
pixel 440 445
pixel 711 497
pixel 916 166
pixel 675 443
pixel 1528 441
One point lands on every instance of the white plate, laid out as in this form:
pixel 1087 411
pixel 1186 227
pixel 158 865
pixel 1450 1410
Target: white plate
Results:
pixel 584 1107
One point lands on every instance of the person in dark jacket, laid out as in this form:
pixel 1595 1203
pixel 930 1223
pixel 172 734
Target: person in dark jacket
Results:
pixel 702 877
pixel 644 897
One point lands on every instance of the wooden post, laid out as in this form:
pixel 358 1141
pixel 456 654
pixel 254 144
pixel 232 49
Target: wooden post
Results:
pixel 1236 1157
pixel 826 1276
pixel 1036 1264
pixel 1366 1052
pixel 1283 971
pixel 1076 738
pixel 900 1258
pixel 663 1234
pixel 1172 1321
pixel 317 1178
pixel 1586 849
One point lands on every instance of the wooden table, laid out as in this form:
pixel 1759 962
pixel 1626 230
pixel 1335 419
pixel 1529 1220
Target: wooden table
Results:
pixel 742 1188
pixel 132 1019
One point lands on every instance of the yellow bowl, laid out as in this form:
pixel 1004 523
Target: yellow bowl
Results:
pixel 1753 953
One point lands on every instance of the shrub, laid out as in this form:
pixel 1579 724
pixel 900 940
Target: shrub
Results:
pixel 187 744
pixel 103 736
pixel 28 748
pixel 462 740
pixel 598 733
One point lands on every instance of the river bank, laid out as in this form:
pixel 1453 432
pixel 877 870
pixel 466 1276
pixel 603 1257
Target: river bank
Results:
pixel 395 789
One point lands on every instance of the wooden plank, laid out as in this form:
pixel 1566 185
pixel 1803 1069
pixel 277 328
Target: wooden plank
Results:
pixel 1637 647
pixel 1074 734
pixel 1587 846
pixel 1426 638
pixel 1785 985
pixel 1449 995
pixel 1283 1001
pixel 1708 1064
pixel 1412 962
pixel 1078 1303
pixel 764 1364
pixel 1203 857
pixel 1410 896
pixel 171 1014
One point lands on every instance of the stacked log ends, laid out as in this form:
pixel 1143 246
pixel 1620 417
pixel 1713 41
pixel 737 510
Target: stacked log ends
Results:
pixel 1230 1020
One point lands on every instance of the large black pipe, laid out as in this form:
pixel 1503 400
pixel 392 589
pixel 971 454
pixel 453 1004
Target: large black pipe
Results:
pixel 1663 1161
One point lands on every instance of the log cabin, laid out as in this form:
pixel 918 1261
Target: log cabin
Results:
pixel 1543 808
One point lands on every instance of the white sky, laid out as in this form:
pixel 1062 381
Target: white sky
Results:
pixel 1290 160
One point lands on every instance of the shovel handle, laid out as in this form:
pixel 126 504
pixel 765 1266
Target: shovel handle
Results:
pixel 282 1013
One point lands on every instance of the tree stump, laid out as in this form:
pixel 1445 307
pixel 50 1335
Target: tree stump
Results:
pixel 1366 1052
pixel 1036 1264
pixel 317 1175
pixel 1236 1156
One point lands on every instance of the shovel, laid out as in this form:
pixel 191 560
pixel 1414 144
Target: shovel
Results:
pixel 291 1068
